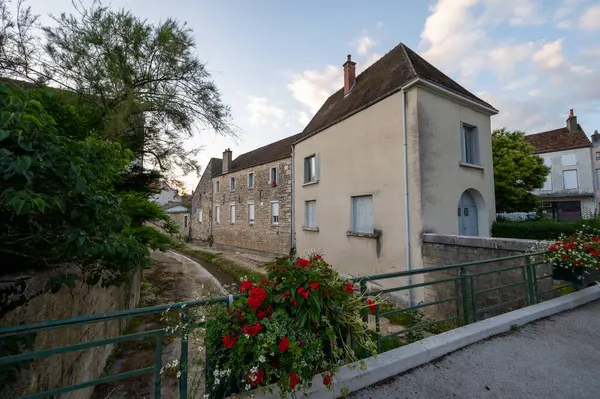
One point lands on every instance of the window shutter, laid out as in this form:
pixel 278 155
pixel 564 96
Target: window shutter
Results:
pixel 318 166
pixel 463 143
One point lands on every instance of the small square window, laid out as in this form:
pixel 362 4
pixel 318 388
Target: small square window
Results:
pixel 310 214
pixel 362 214
pixel 274 212
pixel 570 179
pixel 251 180
pixel 470 144
pixel 232 184
pixel 569 160
pixel 597 155
pixel 273 176
pixel 251 213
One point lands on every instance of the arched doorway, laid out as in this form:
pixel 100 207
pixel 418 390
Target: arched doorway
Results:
pixel 467 216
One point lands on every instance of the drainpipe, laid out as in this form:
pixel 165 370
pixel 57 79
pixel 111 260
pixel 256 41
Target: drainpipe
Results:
pixel 292 238
pixel 406 210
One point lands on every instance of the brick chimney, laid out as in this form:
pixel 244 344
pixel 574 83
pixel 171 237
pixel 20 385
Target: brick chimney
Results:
pixel 572 122
pixel 596 138
pixel 349 74
pixel 226 160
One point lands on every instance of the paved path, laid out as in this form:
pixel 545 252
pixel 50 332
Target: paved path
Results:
pixel 558 357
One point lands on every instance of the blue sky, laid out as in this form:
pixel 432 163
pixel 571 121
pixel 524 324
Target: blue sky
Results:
pixel 275 62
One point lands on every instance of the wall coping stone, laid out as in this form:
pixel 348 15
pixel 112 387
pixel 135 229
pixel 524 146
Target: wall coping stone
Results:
pixel 511 244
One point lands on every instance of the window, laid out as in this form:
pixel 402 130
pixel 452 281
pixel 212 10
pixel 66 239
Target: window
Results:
pixel 200 216
pixel 570 179
pixel 251 180
pixel 597 155
pixel 569 160
pixel 185 221
pixel 232 184
pixel 232 214
pixel 274 212
pixel 218 186
pixel 251 213
pixel 362 214
pixel 217 214
pixel 548 182
pixel 310 214
pixel 470 144
pixel 311 168
pixel 273 176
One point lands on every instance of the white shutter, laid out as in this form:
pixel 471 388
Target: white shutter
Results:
pixel 200 215
pixel 570 179
pixel 310 210
pixel 274 212
pixel 232 213
pixel 548 182
pixel 251 213
pixel 217 214
pixel 569 160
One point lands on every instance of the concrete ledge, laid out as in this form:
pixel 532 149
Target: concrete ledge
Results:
pixel 399 360
pixel 511 244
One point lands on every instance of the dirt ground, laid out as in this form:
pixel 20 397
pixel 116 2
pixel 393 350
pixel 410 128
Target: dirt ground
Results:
pixel 172 278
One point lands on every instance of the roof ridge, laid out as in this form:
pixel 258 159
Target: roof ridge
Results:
pixel 266 145
pixel 410 64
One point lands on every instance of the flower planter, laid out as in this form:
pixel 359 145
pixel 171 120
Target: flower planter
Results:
pixel 578 276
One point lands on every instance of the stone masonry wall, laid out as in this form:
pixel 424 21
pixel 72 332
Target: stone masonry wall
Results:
pixel 24 302
pixel 440 250
pixel 262 235
pixel 202 199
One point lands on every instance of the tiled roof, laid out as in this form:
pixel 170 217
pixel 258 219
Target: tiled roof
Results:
pixel 271 152
pixel 216 166
pixel 389 73
pixel 558 140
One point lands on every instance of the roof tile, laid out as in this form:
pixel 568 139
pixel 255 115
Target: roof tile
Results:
pixel 558 140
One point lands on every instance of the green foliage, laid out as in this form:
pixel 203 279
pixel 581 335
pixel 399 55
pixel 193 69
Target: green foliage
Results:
pixel 517 171
pixel 58 202
pixel 541 229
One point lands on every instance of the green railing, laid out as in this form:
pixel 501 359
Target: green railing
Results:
pixel 473 295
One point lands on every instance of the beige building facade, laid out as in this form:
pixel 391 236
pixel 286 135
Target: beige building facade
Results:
pixel 353 182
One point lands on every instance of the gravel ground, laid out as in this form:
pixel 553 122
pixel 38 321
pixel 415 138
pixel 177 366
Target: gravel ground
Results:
pixel 558 357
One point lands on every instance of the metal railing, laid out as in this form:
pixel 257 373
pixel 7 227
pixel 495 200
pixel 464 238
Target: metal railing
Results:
pixel 467 284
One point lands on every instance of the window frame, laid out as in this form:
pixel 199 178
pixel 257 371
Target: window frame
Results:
pixel 354 215
pixel 274 221
pixel 597 155
pixel 232 184
pixel 218 214
pixel 310 168
pixel 217 186
pixel 251 178
pixel 185 221
pixel 469 138
pixel 576 179
pixel 231 213
pixel 307 214
pixel 251 221
pixel 273 168
pixel 200 215
pixel 572 156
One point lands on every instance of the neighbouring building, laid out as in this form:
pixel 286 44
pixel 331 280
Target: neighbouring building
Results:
pixel 596 165
pixel 246 202
pixel 400 150
pixel 181 216
pixel 166 195
pixel 569 192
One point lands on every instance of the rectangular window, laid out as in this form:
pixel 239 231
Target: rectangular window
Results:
pixel 218 186
pixel 273 176
pixel 251 213
pixel 310 214
pixel 200 216
pixel 310 169
pixel 232 214
pixel 598 178
pixel 570 179
pixel 274 212
pixel 217 214
pixel 470 144
pixel 185 221
pixel 548 182
pixel 362 214
pixel 569 160
pixel 232 184
pixel 251 180
pixel 597 155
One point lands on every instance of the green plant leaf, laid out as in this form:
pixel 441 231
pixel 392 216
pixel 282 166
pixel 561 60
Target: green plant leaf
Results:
pixel 4 134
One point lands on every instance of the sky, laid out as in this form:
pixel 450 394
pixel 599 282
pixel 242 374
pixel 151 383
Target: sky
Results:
pixel 275 62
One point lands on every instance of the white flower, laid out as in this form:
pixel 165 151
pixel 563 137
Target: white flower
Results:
pixel 248 386
pixel 205 396
pixel 272 353
pixel 262 359
pixel 253 377
pixel 216 373
pixel 217 381
pixel 247 336
pixel 178 374
pixel 254 370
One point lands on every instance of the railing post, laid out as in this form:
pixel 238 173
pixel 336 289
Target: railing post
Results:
pixel 465 294
pixel 158 365
pixel 378 328
pixel 183 359
pixel 531 281
pixel 473 299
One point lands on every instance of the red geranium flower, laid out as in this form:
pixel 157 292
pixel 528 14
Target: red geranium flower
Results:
pixel 327 378
pixel 255 378
pixel 564 256
pixel 284 345
pixel 303 263
pixel 314 286
pixel 551 248
pixel 300 290
pixel 253 330
pixel 294 302
pixel 577 262
pixel 305 294
pixel 588 248
pixel 246 286
pixel 256 298
pixel 286 294
pixel 265 282
pixel 317 257
pixel 349 288
pixel 261 314
pixel 372 306
pixel 239 315
pixel 229 341
pixel 294 380
pixel 597 239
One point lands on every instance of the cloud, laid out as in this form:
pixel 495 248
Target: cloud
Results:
pixel 590 20
pixel 262 112
pixel 364 44
pixel 505 58
pixel 550 55
pixel 313 87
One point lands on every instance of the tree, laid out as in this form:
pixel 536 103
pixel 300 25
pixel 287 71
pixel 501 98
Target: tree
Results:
pixel 517 171
pixel 146 80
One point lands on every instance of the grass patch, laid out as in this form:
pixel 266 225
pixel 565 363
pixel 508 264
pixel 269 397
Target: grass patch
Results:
pixel 412 317
pixel 227 266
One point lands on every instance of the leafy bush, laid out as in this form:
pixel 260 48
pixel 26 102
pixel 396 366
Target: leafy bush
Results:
pixel 286 329
pixel 541 229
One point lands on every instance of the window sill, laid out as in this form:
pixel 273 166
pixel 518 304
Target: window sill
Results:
pixel 274 224
pixel 375 234
pixel 315 229
pixel 470 165
pixel 310 183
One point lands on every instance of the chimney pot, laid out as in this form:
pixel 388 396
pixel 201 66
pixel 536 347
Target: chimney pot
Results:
pixel 571 112
pixel 349 74
pixel 572 122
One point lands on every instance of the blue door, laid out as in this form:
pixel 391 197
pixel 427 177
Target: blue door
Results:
pixel 467 216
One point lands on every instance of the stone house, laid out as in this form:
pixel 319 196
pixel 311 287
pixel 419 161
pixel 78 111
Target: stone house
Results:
pixel 246 202
pixel 596 166
pixel 181 216
pixel 399 151
pixel 167 195
pixel 569 190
